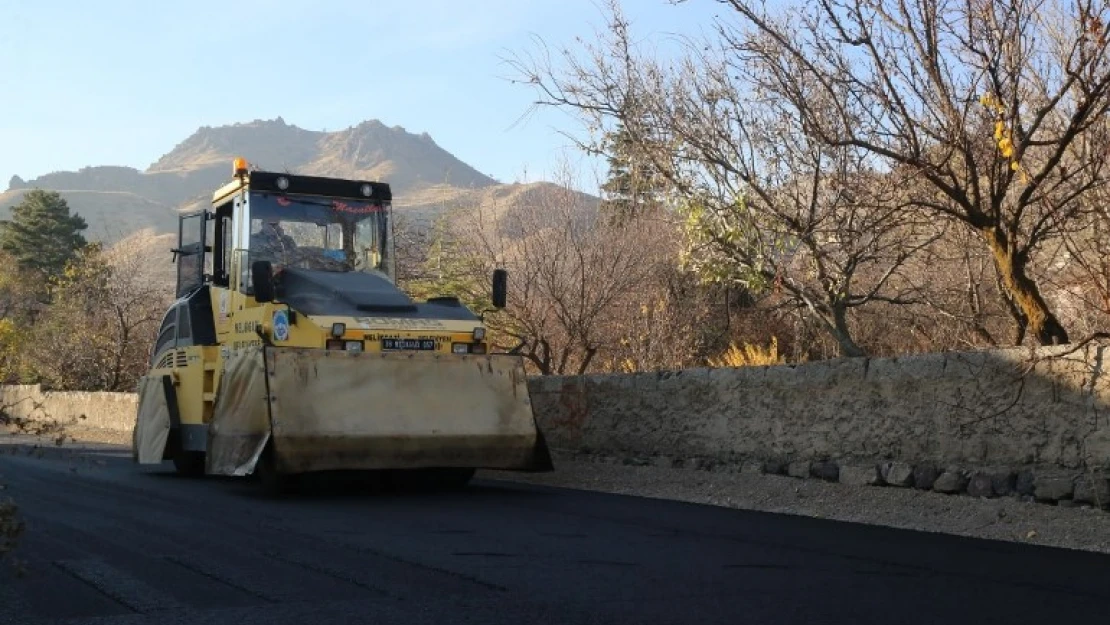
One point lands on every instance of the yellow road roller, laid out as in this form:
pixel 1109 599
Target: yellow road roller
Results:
pixel 290 348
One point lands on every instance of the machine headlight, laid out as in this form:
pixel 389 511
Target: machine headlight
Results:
pixel 460 348
pixel 367 190
pixel 479 334
pixel 282 183
pixel 338 329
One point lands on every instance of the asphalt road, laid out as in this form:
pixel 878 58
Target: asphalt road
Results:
pixel 111 542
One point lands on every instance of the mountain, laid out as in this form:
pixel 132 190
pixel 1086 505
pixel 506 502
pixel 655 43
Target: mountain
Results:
pixel 118 201
pixel 369 150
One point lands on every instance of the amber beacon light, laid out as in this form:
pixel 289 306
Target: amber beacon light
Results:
pixel 240 166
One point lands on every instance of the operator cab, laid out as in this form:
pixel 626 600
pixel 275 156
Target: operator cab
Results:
pixel 319 235
pixel 290 222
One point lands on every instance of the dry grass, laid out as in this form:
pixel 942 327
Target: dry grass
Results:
pixel 750 356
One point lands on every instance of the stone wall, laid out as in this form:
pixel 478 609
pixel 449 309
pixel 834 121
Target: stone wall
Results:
pixel 1015 408
pixel 105 411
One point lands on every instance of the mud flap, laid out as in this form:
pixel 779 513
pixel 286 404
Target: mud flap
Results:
pixel 334 409
pixel 152 421
pixel 241 427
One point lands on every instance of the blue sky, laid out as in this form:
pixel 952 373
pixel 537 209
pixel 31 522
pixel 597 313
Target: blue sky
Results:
pixel 118 82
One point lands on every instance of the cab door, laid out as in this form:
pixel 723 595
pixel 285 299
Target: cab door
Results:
pixel 192 235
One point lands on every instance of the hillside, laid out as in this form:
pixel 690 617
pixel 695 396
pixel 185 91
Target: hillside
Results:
pixel 117 201
pixel 111 215
pixel 424 204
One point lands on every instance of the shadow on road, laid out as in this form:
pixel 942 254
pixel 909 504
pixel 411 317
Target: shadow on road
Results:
pixel 379 486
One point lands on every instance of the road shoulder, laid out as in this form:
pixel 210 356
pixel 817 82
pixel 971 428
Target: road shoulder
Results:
pixel 1003 518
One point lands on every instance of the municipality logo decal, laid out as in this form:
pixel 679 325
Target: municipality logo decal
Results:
pixel 281 325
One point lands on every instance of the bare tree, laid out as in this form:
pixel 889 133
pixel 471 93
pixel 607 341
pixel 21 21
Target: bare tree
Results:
pixel 569 271
pixel 671 320
pixel 98 330
pixel 963 306
pixel 139 290
pixel 765 202
pixel 412 241
pixel 999 106
pixel 1081 271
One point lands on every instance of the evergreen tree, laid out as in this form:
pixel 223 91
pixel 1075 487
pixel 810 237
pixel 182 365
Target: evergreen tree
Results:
pixel 618 187
pixel 451 268
pixel 634 185
pixel 42 236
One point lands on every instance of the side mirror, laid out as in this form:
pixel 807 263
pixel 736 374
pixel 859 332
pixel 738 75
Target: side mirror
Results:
pixel 262 275
pixel 500 287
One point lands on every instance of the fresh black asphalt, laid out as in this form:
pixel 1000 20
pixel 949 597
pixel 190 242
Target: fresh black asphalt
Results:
pixel 110 542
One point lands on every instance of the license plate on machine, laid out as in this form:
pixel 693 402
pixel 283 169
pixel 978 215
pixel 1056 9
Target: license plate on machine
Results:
pixel 409 344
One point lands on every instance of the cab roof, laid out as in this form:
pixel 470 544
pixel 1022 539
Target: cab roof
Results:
pixel 257 180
